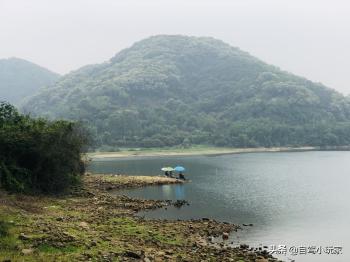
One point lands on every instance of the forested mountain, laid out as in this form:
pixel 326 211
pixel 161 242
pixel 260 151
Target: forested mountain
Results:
pixel 20 78
pixel 170 90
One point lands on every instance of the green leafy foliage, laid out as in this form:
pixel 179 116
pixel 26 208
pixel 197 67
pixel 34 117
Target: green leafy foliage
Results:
pixel 7 240
pixel 177 90
pixel 37 155
pixel 4 228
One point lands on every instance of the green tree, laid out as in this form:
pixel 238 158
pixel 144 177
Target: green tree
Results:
pixel 37 155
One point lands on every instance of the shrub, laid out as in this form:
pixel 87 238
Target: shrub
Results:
pixel 3 228
pixel 38 155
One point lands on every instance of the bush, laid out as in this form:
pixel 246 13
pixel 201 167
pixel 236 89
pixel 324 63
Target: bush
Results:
pixel 3 228
pixel 7 240
pixel 37 155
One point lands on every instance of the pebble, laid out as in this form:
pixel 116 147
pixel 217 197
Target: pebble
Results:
pixel 84 225
pixel 27 251
pixel 132 254
pixel 23 236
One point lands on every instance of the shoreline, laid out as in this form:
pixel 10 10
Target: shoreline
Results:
pixel 108 182
pixel 92 224
pixel 210 151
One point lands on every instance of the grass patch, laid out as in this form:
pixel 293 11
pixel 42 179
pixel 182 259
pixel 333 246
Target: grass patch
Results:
pixel 4 228
pixel 45 248
pixel 8 243
pixel 7 240
pixel 129 227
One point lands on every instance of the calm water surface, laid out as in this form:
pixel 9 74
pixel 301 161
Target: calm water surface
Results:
pixel 293 199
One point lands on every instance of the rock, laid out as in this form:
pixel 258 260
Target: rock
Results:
pixel 88 255
pixel 225 235
pixel 161 257
pixel 66 236
pixel 169 252
pixel 27 251
pixel 243 246
pixel 261 260
pixel 132 254
pixel 179 258
pixel 201 243
pixel 84 225
pixel 160 253
pixel 180 203
pixel 23 236
pixel 265 253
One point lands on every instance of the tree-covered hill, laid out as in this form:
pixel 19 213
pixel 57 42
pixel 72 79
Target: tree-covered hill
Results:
pixel 170 90
pixel 20 78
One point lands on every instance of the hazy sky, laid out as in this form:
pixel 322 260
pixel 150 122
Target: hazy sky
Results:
pixel 310 38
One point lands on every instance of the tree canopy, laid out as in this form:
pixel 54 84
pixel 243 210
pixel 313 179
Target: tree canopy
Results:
pixel 37 155
pixel 171 90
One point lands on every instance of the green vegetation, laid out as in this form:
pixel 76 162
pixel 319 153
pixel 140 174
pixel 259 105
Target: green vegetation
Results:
pixel 177 90
pixel 3 227
pixel 20 78
pixel 126 226
pixel 7 241
pixel 37 155
pixel 52 227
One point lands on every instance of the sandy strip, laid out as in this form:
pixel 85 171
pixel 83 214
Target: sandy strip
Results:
pixel 193 152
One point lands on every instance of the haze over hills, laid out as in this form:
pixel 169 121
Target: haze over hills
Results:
pixel 170 90
pixel 20 78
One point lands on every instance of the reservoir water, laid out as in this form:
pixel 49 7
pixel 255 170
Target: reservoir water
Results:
pixel 298 199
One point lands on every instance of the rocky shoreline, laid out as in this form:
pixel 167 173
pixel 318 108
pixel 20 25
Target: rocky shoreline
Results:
pixel 114 181
pixel 90 224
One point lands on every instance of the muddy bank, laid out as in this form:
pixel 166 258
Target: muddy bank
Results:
pixel 92 225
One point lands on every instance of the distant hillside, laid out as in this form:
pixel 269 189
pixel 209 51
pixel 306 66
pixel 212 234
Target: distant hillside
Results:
pixel 20 78
pixel 170 90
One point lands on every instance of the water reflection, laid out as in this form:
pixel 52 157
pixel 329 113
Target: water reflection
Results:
pixel 167 191
pixel 164 192
pixel 180 192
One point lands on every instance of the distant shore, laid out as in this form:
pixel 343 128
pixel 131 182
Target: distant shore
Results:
pixel 196 151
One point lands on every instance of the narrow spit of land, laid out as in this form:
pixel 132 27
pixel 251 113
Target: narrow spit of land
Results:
pixel 91 224
pixel 193 151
